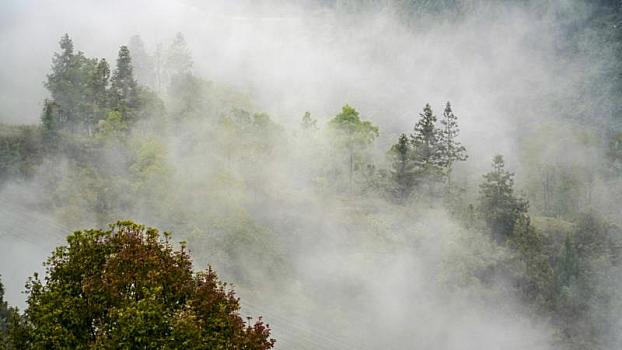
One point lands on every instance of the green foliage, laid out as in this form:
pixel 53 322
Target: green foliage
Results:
pixel 403 168
pixel 107 151
pixel 142 62
pixel 178 58
pixel 129 288
pixel 451 150
pixel 352 135
pixel 4 316
pixel 21 151
pixel 123 87
pixel 498 206
pixel 113 128
pixel 531 248
pixel 428 152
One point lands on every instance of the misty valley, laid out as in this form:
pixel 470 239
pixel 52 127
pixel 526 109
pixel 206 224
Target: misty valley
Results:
pixel 311 174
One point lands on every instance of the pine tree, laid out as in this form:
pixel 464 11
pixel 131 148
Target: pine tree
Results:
pixel 178 57
pixel 498 206
pixel 4 314
pixel 61 78
pixel 98 94
pixel 67 83
pixel 123 89
pixel 427 149
pixel 51 120
pixel 142 62
pixel 451 150
pixel 403 169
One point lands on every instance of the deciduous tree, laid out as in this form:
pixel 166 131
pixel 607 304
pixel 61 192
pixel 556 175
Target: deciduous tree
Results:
pixel 127 287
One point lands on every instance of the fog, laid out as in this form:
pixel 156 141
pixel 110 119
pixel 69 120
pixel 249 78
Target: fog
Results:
pixel 361 274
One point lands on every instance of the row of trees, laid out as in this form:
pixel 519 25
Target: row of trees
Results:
pixel 418 162
pixel 84 91
pixel 428 155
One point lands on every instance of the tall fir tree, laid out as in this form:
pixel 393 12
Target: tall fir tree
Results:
pixel 60 80
pixel 123 87
pixel 178 57
pixel 427 152
pixel 142 62
pixel 68 84
pixel 498 206
pixel 98 94
pixel 65 85
pixel 451 150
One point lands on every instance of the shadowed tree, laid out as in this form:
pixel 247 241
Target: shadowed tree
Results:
pixel 98 94
pixel 403 171
pixel 498 206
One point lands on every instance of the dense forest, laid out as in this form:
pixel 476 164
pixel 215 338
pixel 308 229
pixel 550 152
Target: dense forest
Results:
pixel 370 226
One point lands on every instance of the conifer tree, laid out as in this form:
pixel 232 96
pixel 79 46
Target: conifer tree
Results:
pixel 142 62
pixel 4 314
pixel 61 77
pixel 403 169
pixel 98 94
pixel 427 154
pixel 123 89
pixel 451 150
pixel 51 120
pixel 178 57
pixel 67 83
pixel 498 206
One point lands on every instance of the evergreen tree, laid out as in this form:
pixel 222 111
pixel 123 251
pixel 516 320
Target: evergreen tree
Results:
pixel 536 282
pixel 352 134
pixel 4 315
pixel 9 324
pixel 451 150
pixel 60 81
pixel 51 120
pixel 142 62
pixel 67 83
pixel 178 57
pixel 567 266
pixel 403 169
pixel 498 206
pixel 98 94
pixel 427 152
pixel 123 89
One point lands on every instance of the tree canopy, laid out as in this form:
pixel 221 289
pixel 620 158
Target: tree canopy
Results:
pixel 128 287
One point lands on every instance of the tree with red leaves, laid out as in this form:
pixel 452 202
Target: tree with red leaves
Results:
pixel 128 288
